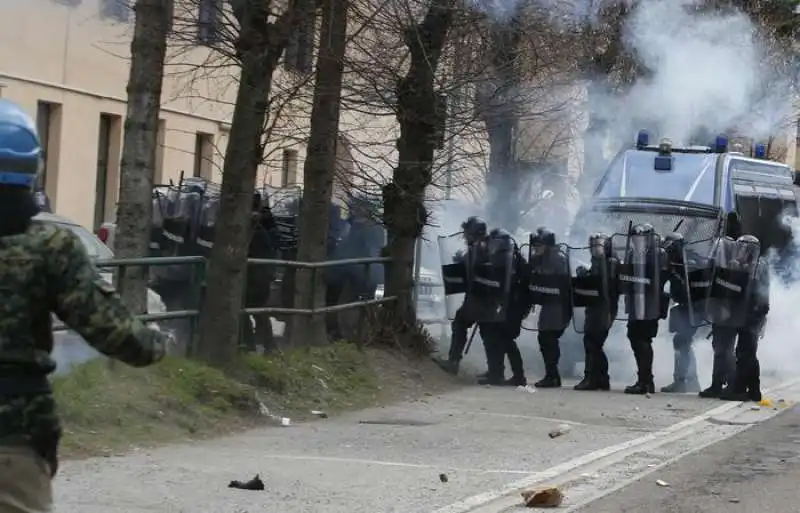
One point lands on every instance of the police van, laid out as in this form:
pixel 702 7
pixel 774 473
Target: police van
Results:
pixel 691 190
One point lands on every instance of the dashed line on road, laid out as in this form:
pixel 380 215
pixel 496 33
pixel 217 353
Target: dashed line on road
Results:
pixel 360 461
pixel 485 502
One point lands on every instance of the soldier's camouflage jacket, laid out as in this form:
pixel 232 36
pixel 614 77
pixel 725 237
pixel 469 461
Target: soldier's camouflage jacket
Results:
pixel 42 271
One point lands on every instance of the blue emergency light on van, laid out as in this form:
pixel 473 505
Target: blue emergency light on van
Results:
pixel 760 151
pixel 642 139
pixel 721 144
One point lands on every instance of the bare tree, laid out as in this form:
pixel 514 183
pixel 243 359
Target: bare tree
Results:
pixel 320 165
pixel 134 211
pixel 419 115
pixel 259 42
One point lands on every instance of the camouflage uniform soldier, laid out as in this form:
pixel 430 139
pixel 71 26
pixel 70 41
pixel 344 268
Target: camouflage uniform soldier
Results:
pixel 44 269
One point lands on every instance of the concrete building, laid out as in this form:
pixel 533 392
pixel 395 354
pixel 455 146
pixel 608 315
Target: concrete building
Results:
pixel 67 63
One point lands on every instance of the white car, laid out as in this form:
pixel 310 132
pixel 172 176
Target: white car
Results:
pixel 69 348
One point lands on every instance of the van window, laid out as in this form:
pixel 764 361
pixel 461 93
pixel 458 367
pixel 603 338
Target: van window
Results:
pixel 632 175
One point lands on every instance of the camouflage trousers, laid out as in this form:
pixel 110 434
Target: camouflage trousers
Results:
pixel 25 484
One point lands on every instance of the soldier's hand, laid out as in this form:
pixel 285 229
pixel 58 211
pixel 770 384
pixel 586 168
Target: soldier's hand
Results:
pixel 581 271
pixel 459 256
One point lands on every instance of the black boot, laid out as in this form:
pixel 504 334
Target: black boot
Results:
pixel 641 388
pixel 712 392
pixel 594 383
pixel 517 381
pixel 550 380
pixel 731 393
pixel 492 380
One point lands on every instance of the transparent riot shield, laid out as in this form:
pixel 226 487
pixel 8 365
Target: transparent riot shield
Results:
pixel 549 288
pixel 592 285
pixel 160 211
pixel 693 274
pixel 454 259
pixel 208 223
pixel 732 278
pixel 175 225
pixel 489 284
pixel 639 277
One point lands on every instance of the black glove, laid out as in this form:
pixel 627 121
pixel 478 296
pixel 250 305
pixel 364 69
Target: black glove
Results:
pixel 581 271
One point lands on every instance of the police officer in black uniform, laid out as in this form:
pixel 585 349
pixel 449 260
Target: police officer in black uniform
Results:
pixel 475 232
pixel 500 336
pixel 600 316
pixel 643 328
pixel 745 384
pixel 684 378
pixel 553 317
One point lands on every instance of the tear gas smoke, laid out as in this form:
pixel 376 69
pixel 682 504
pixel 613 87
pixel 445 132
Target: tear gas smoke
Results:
pixel 705 72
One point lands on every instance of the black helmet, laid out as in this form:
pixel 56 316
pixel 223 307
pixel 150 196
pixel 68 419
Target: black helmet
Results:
pixel 747 249
pixel 642 229
pixel 599 244
pixel 543 237
pixel 673 240
pixel 474 227
pixel 500 240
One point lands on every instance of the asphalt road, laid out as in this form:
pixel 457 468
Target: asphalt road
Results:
pixel 381 460
pixel 756 470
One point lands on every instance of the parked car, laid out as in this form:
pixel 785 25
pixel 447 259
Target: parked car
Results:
pixel 69 348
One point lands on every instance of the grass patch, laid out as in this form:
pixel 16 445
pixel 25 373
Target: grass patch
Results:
pixel 109 409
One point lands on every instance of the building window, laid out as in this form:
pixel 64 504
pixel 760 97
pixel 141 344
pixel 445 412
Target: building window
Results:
pixel 103 161
pixel 48 121
pixel 289 168
pixel 299 55
pixel 203 155
pixel 117 10
pixel 208 18
pixel 158 172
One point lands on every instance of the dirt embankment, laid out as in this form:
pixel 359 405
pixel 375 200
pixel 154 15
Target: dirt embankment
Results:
pixel 110 409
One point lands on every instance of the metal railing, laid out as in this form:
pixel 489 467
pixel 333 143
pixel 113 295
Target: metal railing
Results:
pixel 198 287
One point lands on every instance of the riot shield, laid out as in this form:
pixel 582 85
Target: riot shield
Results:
pixel 489 285
pixel 550 288
pixel 454 257
pixel 175 225
pixel 732 279
pixel 592 285
pixel 694 274
pixel 208 222
pixel 639 277
pixel 160 211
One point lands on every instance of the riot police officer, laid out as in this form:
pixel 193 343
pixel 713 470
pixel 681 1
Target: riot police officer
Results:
pixel 644 302
pixel 600 315
pixel 45 270
pixel 499 335
pixel 475 233
pixel 739 318
pixel 684 378
pixel 722 341
pixel 548 262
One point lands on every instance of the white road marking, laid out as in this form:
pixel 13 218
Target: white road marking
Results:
pixel 389 464
pixel 606 457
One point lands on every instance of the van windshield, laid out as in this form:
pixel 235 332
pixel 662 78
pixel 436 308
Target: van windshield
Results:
pixel 632 175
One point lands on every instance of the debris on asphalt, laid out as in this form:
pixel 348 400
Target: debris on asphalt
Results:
pixel 734 500
pixel 255 484
pixel 443 478
pixel 659 482
pixel 264 412
pixel 766 403
pixel 526 388
pixel 647 395
pixel 542 498
pixel 563 429
pixel 320 414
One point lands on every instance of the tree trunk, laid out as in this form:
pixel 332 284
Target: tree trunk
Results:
pixel 418 116
pixel 219 326
pixel 501 115
pixel 134 209
pixel 319 170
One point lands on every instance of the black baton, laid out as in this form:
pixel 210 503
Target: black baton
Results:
pixel 469 342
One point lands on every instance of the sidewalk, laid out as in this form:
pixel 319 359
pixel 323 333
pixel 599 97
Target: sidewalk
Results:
pixel 380 460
